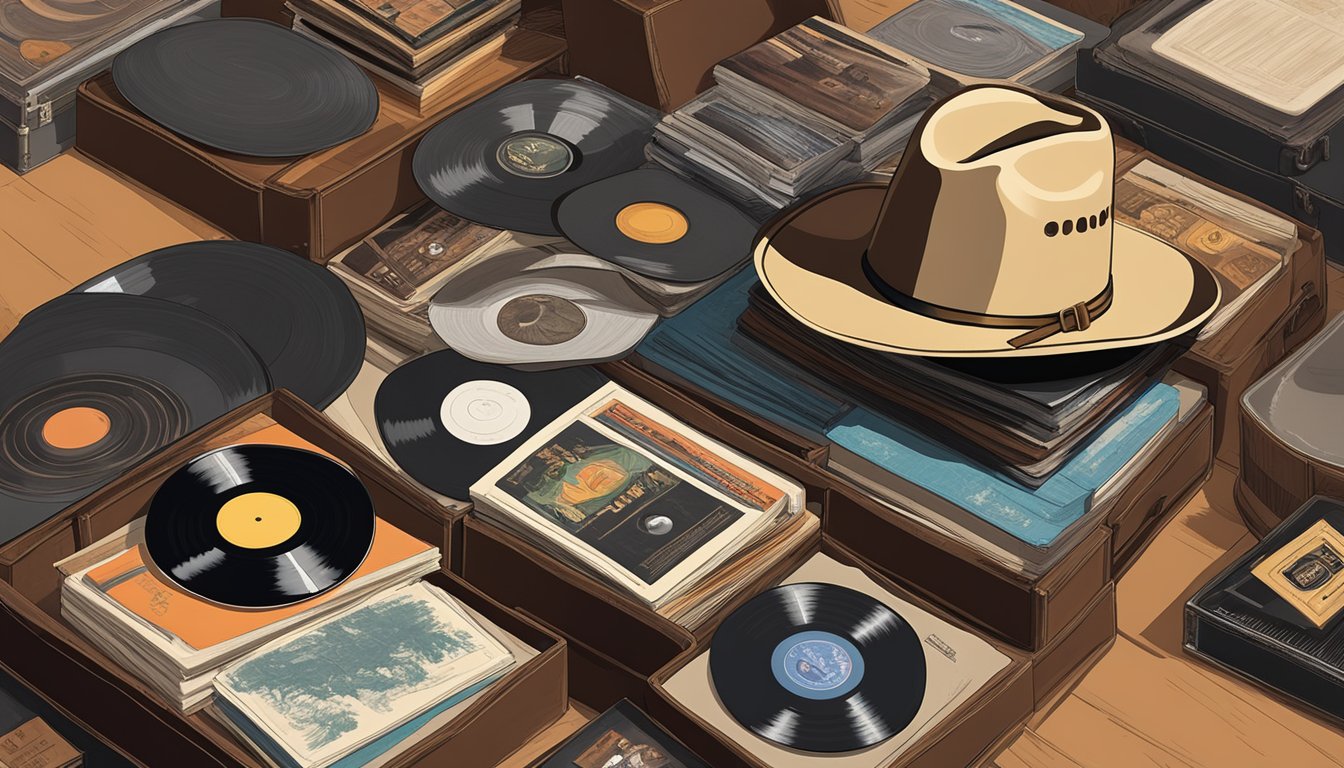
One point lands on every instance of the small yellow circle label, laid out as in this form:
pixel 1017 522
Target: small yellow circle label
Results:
pixel 258 520
pixel 77 427
pixel 652 223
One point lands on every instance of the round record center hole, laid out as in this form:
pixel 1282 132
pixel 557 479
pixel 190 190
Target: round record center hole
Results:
pixel 74 428
pixel 656 223
pixel 658 525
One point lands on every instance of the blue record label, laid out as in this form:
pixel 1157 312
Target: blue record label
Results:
pixel 817 665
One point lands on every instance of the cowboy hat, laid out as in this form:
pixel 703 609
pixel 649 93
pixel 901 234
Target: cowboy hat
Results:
pixel 996 237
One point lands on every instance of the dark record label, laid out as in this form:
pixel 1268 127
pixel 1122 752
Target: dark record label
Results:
pixel 817 665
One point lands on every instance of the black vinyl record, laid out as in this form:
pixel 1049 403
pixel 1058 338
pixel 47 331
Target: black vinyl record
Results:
pixel 505 160
pixel 658 225
pixel 819 668
pixel 300 318
pixel 259 526
pixel 447 420
pixel 92 384
pixel 247 86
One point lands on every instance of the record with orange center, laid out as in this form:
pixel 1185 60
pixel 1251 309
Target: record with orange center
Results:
pixel 92 384
pixel 259 526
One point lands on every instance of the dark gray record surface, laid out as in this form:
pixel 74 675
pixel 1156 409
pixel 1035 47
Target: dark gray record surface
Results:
pixel 965 38
pixel 247 86
pixel 705 236
pixel 505 160
pixel 300 318
pixel 94 383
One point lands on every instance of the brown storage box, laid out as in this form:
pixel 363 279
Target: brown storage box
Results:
pixel 663 52
pixel 1171 478
pixel 1060 664
pixel 616 643
pixel 1285 313
pixel 26 561
pixel 1027 614
pixel 315 205
pixel 1100 11
pixel 961 738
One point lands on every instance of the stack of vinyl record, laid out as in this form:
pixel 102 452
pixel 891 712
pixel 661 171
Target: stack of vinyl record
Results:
pixel 239 546
pixel 141 355
pixel 771 131
pixel 421 46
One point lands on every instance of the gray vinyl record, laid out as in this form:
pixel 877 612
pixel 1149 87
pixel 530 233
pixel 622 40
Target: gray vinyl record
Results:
pixel 516 309
pixel 247 86
pixel 981 39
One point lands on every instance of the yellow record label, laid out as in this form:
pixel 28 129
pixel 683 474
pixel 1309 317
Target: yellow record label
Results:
pixel 258 520
pixel 652 223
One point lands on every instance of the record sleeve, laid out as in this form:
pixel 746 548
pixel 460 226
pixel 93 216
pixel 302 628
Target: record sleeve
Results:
pixel 505 160
pixel 624 732
pixel 447 420
pixel 300 318
pixel 92 384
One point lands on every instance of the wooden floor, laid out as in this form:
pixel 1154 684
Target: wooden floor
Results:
pixel 1145 703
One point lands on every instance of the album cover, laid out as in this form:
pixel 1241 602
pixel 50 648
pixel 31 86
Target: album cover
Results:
pixel 37 35
pixel 419 22
pixel 623 737
pixel 617 500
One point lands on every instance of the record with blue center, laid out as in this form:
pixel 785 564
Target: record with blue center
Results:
pixel 818 668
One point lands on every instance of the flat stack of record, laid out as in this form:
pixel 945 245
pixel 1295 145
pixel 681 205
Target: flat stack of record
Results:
pixel 772 131
pixel 153 349
pixel 600 246
pixel 248 87
pixel 421 46
pixel 238 546
pixel 830 668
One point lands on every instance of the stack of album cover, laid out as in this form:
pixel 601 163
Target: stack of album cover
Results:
pixel 420 46
pixel 985 39
pixel 1274 64
pixel 622 492
pixel 1024 527
pixel 815 106
pixel 177 642
pixel 364 686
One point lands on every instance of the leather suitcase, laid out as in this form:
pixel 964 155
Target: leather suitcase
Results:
pixel 966 733
pixel 606 665
pixel 313 206
pixel 111 702
pixel 1291 444
pixel 663 52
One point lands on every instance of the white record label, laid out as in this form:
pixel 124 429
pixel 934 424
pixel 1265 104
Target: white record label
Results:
pixel 485 412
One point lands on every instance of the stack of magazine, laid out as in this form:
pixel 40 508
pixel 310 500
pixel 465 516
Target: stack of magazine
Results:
pixel 177 642
pixel 1274 64
pixel 622 492
pixel 363 686
pixel 814 106
pixel 423 47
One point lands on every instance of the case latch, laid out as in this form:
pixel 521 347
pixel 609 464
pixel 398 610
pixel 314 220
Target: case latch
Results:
pixel 1306 157
pixel 43 113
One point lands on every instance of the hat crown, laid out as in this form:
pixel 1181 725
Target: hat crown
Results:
pixel 1001 206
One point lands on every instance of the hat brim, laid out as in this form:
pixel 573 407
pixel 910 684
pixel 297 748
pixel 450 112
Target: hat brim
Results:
pixel 810 261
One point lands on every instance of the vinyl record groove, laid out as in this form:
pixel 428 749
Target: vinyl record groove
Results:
pixel 819 668
pixel 658 225
pixel 447 420
pixel 299 317
pixel 247 86
pixel 259 526
pixel 92 384
pixel 505 160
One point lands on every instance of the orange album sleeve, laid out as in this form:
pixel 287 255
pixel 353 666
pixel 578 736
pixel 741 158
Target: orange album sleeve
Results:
pixel 128 580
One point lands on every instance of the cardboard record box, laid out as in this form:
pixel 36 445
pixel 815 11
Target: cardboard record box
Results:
pixel 314 205
pixel 26 561
pixel 615 642
pixel 1292 445
pixel 663 52
pixel 124 711
pixel 39 75
pixel 997 699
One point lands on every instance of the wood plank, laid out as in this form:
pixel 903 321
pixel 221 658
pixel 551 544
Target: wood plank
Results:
pixel 569 724
pixel 863 15
pixel 1033 751
pixel 6 175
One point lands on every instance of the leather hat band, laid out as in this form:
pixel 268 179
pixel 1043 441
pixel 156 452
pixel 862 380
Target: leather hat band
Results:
pixel 1038 327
